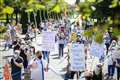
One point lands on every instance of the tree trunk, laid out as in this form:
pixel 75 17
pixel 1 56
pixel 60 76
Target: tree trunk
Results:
pixel 24 21
pixel 44 15
pixel 28 14
pixel 35 19
pixel 16 17
pixel 7 18
pixel 40 15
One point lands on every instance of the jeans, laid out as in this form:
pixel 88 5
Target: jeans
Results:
pixel 111 70
pixel 7 44
pixel 46 55
pixel 16 77
pixel 69 75
pixel 61 47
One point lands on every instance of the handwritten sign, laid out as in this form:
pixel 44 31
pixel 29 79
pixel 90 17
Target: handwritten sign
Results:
pixel 77 57
pixel 48 41
pixel 96 50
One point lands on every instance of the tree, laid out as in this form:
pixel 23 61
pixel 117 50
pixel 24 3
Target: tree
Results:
pixel 107 14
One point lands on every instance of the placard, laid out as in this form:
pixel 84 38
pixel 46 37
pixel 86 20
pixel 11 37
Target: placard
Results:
pixel 77 57
pixel 48 41
pixel 96 50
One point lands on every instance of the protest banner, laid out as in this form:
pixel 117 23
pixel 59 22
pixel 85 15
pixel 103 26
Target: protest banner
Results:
pixel 96 50
pixel 48 41
pixel 77 57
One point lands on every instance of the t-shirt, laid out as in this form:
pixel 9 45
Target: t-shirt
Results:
pixel 117 54
pixel 15 69
pixel 61 40
pixel 23 55
pixel 111 55
pixel 13 32
pixel 36 73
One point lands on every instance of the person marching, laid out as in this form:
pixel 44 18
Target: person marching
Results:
pixel 37 67
pixel 16 66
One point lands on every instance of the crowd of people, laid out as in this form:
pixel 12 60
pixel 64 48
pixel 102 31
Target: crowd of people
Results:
pixel 27 58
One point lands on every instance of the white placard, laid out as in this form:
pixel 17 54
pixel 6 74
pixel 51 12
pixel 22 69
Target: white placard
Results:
pixel 77 57
pixel 96 50
pixel 48 41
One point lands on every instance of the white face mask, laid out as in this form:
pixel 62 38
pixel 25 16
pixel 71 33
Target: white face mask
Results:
pixel 17 52
pixel 114 44
pixel 15 55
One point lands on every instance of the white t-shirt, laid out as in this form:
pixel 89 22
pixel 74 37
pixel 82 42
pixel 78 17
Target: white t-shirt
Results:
pixel 36 73
pixel 111 55
pixel 42 24
pixel 117 53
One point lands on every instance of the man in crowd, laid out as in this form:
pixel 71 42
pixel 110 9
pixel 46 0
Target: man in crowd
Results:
pixel 61 42
pixel 117 58
pixel 16 66
pixel 37 67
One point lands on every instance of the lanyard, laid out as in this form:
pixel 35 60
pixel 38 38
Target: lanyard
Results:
pixel 42 69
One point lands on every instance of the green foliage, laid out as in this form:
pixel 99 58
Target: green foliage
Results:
pixel 114 3
pixel 29 10
pixel 88 33
pixel 39 6
pixel 98 38
pixel 30 2
pixel 1 2
pixel 116 31
pixel 8 10
pixel 2 29
pixel 85 9
pixel 56 9
pixel 2 35
pixel 91 0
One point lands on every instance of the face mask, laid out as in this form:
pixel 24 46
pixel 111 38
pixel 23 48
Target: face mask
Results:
pixel 40 57
pixel 114 44
pixel 15 55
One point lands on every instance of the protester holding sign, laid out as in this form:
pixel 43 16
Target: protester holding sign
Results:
pixel 48 42
pixel 77 64
pixel 117 58
pixel 111 59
